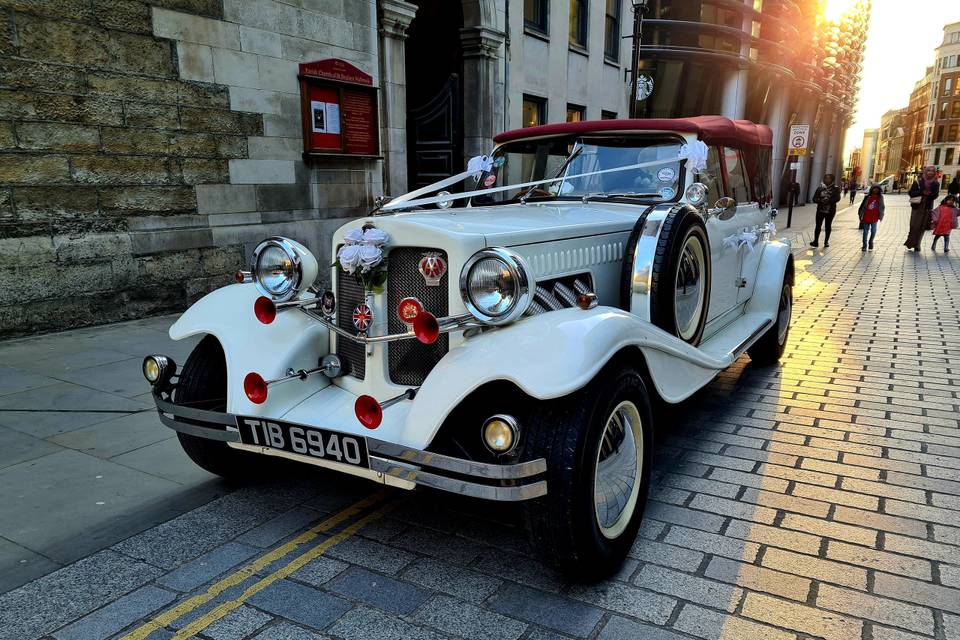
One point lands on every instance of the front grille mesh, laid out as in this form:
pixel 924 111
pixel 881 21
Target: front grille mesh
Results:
pixel 410 360
pixel 349 295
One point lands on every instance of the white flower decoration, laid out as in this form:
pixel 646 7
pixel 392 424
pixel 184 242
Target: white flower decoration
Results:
pixel 349 257
pixel 354 236
pixel 370 256
pixel 375 236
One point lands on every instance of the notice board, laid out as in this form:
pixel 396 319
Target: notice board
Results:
pixel 339 110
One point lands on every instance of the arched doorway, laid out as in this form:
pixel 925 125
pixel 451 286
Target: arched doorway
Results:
pixel 434 62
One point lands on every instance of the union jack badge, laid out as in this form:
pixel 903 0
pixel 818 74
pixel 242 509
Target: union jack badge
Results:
pixel 362 317
pixel 432 267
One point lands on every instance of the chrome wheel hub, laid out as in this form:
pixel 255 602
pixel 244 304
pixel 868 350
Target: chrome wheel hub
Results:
pixel 690 292
pixel 616 482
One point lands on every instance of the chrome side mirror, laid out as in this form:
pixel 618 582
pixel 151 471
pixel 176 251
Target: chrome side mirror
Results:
pixel 724 208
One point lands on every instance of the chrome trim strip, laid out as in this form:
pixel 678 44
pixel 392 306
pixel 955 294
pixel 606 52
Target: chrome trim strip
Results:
pixel 458 465
pixel 743 346
pixel 463 487
pixel 201 432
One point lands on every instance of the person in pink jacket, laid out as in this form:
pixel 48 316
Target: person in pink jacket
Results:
pixel 943 220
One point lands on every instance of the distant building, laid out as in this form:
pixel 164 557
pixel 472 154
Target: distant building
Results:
pixel 868 153
pixel 917 125
pixel 890 160
pixel 853 169
pixel 944 109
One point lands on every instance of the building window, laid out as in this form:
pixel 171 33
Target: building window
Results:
pixel 608 115
pixel 947 85
pixel 948 158
pixel 578 23
pixel 535 15
pixel 611 33
pixel 952 133
pixel 955 109
pixel 576 113
pixel 936 156
pixel 534 111
pixel 943 110
pixel 939 137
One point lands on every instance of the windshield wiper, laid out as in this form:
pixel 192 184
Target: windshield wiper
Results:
pixel 626 194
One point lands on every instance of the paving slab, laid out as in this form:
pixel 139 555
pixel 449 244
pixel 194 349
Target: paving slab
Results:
pixel 13 380
pixel 117 615
pixel 116 436
pixel 165 459
pixel 302 604
pixel 122 378
pixel 19 565
pixel 16 447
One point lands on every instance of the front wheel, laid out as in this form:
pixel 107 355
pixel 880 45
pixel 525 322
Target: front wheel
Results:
pixel 770 347
pixel 597 444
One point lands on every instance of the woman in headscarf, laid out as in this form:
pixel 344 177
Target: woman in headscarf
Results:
pixel 923 195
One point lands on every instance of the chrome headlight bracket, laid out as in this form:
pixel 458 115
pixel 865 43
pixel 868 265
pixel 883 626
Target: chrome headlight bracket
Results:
pixel 519 272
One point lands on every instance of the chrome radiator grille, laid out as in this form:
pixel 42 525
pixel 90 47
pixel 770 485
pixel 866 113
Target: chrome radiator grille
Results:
pixel 349 295
pixel 410 360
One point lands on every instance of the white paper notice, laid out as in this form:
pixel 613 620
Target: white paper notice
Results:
pixel 318 111
pixel 333 117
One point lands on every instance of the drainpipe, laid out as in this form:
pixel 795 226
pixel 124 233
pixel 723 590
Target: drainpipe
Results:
pixel 506 67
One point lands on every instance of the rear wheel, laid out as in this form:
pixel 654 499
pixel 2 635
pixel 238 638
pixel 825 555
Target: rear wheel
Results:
pixel 203 385
pixel 597 444
pixel 770 347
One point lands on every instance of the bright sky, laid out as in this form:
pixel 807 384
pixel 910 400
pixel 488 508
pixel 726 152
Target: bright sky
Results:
pixel 900 46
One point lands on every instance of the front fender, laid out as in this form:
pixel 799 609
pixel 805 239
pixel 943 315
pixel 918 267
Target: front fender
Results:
pixel 292 340
pixel 554 354
pixel 776 264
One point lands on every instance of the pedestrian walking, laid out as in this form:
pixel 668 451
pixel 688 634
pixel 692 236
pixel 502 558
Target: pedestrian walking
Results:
pixel 795 192
pixel 954 188
pixel 826 197
pixel 944 220
pixel 923 194
pixel 853 192
pixel 871 213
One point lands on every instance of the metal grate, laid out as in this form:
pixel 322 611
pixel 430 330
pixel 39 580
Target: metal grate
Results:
pixel 349 295
pixel 410 361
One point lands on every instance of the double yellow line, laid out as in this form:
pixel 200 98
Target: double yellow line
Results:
pixel 248 570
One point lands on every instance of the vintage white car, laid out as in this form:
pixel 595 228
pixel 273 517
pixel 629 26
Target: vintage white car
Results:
pixel 510 346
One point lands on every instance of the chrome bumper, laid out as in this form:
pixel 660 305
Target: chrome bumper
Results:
pixel 507 482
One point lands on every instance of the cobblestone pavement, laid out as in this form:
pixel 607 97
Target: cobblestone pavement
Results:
pixel 818 499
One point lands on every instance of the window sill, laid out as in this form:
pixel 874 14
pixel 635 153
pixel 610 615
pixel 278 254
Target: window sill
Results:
pixel 576 48
pixel 536 33
pixel 612 62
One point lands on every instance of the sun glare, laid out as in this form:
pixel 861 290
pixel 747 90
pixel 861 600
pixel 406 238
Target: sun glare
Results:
pixel 833 10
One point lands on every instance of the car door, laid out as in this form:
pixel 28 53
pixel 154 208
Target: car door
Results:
pixel 748 219
pixel 721 225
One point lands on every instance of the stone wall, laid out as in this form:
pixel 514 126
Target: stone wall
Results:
pixel 147 145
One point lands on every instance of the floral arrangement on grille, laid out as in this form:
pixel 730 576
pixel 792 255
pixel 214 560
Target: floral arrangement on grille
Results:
pixel 362 256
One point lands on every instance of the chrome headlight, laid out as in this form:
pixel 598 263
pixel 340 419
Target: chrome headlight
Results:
pixel 697 193
pixel 282 268
pixel 496 285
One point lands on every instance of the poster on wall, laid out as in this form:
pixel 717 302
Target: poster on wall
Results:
pixel 340 114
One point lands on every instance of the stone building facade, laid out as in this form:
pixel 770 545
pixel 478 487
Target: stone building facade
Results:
pixel 146 146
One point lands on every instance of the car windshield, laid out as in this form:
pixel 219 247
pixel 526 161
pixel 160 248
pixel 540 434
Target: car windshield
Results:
pixel 600 157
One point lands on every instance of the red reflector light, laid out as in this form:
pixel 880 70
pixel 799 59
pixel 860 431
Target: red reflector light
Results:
pixel 426 327
pixel 255 387
pixel 239 277
pixel 368 411
pixel 265 310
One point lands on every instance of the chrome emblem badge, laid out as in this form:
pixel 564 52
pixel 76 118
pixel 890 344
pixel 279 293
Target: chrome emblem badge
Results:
pixel 432 268
pixel 362 317
pixel 328 303
pixel 409 309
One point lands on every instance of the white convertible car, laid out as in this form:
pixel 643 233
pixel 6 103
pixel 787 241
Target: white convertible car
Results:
pixel 506 341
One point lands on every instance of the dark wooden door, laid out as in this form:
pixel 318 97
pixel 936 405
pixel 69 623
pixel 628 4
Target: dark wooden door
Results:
pixel 435 138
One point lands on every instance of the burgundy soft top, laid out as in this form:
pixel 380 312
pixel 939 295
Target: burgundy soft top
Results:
pixel 710 129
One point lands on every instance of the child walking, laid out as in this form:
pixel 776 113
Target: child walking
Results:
pixel 871 212
pixel 943 221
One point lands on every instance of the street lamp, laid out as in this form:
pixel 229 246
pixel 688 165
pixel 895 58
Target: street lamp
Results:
pixel 640 9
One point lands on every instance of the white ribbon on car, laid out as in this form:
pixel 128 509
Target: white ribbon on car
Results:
pixel 743 238
pixel 695 153
pixel 406 201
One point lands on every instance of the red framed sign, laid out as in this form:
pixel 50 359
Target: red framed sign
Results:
pixel 338 104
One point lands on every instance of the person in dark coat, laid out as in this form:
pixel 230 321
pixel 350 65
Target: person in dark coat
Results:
pixel 853 192
pixel 795 192
pixel 954 188
pixel 826 198
pixel 923 195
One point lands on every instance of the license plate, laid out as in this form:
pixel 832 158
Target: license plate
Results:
pixel 314 442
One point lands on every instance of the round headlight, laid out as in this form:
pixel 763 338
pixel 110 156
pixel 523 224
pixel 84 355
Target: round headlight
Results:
pixel 697 193
pixel 282 268
pixel 500 433
pixel 495 285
